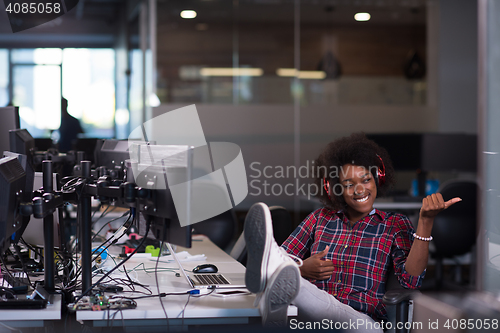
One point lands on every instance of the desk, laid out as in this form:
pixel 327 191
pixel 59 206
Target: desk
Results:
pixel 204 310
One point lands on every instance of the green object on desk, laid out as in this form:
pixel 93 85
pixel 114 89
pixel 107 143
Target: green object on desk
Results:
pixel 155 251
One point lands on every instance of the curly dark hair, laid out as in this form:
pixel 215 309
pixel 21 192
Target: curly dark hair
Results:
pixel 355 149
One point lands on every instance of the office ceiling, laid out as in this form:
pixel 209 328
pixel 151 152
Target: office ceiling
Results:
pixel 338 12
pixel 390 12
pixel 96 21
pixel 102 10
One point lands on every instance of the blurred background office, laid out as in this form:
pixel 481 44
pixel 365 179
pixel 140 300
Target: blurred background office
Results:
pixel 280 78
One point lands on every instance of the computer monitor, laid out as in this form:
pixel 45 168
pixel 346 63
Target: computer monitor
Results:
pixel 88 146
pixel 405 149
pixel 9 120
pixel 21 142
pixel 33 233
pixel 159 167
pixel 430 151
pixel 44 144
pixel 112 153
pixel 28 190
pixel 12 183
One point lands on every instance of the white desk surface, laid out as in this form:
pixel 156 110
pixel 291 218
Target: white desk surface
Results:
pixel 204 309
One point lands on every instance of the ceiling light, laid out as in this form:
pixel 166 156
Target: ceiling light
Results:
pixel 312 75
pixel 362 17
pixel 292 72
pixel 188 14
pixel 231 71
pixel 286 72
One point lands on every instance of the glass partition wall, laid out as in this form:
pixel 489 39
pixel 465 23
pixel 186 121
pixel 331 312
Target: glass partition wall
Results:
pixel 242 52
pixel 489 148
pixel 283 78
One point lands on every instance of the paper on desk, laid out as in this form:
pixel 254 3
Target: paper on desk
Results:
pixel 182 256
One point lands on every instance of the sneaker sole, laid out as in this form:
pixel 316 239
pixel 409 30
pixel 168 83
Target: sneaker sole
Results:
pixel 258 243
pixel 282 290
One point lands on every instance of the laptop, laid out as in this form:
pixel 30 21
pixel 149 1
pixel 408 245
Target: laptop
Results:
pixel 210 280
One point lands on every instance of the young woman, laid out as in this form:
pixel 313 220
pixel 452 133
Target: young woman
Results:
pixel 344 249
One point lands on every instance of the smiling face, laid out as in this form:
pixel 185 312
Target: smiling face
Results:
pixel 359 190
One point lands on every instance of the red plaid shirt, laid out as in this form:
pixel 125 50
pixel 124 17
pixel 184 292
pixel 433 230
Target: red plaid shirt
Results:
pixel 361 255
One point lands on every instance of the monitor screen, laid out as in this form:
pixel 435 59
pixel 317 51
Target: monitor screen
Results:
pixel 10 121
pixel 12 183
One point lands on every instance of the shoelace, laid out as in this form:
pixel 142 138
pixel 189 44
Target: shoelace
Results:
pixel 296 259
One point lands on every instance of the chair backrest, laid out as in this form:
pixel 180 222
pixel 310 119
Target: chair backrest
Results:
pixel 221 229
pixel 282 228
pixel 239 250
pixel 282 223
pixel 454 229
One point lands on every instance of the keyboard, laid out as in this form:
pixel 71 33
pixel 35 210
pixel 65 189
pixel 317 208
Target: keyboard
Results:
pixel 209 279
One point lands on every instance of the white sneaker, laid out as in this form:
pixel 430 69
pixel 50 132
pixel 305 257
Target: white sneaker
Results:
pixel 281 290
pixel 264 255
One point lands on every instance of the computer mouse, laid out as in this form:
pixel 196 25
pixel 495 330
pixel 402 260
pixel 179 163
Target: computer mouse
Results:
pixel 205 268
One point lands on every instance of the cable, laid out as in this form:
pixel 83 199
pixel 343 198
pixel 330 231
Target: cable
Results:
pixel 114 314
pixel 189 292
pixel 158 285
pixel 98 209
pixel 7 269
pixel 148 225
pixel 184 309
pixel 103 214
pixel 24 268
pixel 108 245
pixel 9 291
pixel 31 248
pixel 117 218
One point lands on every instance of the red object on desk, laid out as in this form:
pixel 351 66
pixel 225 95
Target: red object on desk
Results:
pixel 128 250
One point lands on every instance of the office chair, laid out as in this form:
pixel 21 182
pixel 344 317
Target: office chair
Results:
pixel 239 250
pixel 398 300
pixel 282 228
pixel 220 229
pixel 282 223
pixel 454 229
